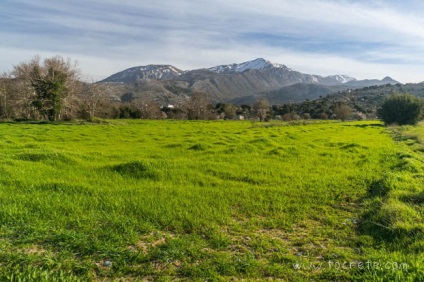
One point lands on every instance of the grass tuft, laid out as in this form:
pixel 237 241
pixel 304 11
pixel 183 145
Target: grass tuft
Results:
pixel 136 169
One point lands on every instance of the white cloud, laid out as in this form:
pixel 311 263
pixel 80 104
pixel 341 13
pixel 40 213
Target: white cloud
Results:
pixel 366 39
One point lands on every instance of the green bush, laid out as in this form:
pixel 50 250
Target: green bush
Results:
pixel 401 109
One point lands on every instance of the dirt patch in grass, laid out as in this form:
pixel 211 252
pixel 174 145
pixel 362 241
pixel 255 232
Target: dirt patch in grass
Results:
pixel 151 240
pixel 34 250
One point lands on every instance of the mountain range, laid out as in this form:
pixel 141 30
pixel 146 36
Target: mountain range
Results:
pixel 237 83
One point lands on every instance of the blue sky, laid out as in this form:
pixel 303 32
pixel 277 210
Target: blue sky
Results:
pixel 363 39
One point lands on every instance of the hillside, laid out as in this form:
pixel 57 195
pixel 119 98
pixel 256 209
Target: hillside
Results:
pixel 365 100
pixel 368 98
pixel 291 94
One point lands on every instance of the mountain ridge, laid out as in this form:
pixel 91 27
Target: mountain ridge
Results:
pixel 166 72
pixel 257 64
pixel 159 72
pixel 231 82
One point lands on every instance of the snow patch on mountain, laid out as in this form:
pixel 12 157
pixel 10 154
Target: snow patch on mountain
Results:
pixel 158 72
pixel 342 78
pixel 257 64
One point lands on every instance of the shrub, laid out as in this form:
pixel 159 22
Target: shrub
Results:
pixel 343 112
pixel 323 116
pixel 291 116
pixel 401 109
pixel 359 116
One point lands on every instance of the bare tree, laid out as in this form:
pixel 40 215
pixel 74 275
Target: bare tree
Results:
pixel 261 109
pixel 148 108
pixel 5 93
pixel 343 112
pixel 90 97
pixel 291 116
pixel 15 98
pixel 198 106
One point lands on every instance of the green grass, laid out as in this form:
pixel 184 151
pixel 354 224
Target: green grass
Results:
pixel 201 200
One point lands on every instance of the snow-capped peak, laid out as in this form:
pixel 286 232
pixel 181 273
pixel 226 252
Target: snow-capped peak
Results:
pixel 342 78
pixel 158 72
pixel 257 64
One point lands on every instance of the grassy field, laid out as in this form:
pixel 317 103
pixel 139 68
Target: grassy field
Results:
pixel 211 201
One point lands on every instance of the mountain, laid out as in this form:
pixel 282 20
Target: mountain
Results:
pixel 342 78
pixel 233 82
pixel 157 72
pixel 257 64
pixel 371 82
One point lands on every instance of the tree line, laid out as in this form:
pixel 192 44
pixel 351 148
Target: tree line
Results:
pixel 48 89
pixel 51 89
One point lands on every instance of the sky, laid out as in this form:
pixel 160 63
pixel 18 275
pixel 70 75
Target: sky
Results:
pixel 364 39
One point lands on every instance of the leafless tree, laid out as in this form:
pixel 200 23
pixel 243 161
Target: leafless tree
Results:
pixel 5 93
pixel 198 106
pixel 148 108
pixel 291 116
pixel 90 98
pixel 15 98
pixel 343 112
pixel 261 109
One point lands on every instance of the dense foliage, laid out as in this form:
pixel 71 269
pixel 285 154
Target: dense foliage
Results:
pixel 401 109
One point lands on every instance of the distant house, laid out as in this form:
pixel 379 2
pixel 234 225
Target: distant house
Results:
pixel 168 106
